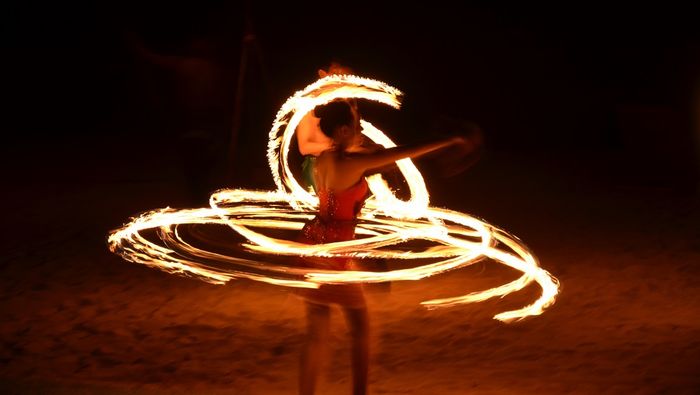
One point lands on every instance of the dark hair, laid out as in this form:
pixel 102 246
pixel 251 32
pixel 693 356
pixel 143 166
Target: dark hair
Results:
pixel 334 115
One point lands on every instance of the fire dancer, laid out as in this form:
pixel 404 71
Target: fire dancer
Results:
pixel 339 179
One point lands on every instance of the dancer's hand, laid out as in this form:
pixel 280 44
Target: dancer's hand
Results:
pixel 469 142
pixel 464 153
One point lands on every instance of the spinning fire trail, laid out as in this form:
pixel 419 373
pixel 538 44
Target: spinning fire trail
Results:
pixel 456 240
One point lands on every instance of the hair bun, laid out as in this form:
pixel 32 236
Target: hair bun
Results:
pixel 333 115
pixel 320 111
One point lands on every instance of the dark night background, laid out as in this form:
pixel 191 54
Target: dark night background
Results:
pixel 588 111
pixel 575 82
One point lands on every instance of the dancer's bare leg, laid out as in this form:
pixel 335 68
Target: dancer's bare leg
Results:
pixel 318 316
pixel 358 323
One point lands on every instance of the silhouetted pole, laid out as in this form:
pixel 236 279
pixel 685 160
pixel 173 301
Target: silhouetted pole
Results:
pixel 249 43
pixel 246 43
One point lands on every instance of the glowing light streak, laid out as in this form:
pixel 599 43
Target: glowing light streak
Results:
pixel 459 240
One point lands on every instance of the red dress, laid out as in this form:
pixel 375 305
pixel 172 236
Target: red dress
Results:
pixel 335 221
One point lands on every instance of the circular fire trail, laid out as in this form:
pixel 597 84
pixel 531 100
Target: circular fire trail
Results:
pixel 449 239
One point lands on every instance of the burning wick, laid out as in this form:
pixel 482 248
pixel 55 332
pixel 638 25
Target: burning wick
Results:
pixel 457 240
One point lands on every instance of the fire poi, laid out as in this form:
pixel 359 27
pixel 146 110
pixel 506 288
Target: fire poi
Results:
pixel 450 240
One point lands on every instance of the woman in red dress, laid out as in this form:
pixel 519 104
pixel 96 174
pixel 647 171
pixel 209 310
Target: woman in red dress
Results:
pixel 339 176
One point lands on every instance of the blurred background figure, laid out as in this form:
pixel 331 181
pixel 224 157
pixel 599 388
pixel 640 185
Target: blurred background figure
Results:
pixel 194 92
pixel 311 141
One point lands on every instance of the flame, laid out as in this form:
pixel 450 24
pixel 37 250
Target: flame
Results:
pixel 458 240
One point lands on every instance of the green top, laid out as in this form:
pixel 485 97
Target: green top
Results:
pixel 307 172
